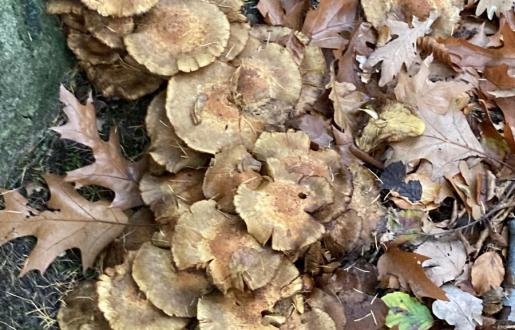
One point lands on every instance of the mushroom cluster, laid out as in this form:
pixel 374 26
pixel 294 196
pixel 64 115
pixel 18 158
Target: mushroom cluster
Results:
pixel 249 209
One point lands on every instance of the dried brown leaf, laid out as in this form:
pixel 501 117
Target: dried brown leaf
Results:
pixel 487 272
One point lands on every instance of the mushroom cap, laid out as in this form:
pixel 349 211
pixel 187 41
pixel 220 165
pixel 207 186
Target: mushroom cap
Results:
pixel 198 106
pixel 228 170
pixel 120 8
pixel 60 7
pixel 91 50
pixel 314 319
pixel 234 259
pixel 174 292
pixel 125 307
pixel 166 148
pixel 77 312
pixel 237 41
pixel 123 78
pixel 179 35
pixel 169 196
pixel 109 30
pixel 279 210
pixel 232 9
pixel 74 23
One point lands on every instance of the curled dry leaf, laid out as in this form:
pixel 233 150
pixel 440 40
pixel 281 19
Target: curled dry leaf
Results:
pixel 447 260
pixel 487 272
pixel 79 311
pixel 125 307
pixel 174 292
pixel 77 223
pixel 233 258
pixel 463 310
pixel 179 35
pixel 110 169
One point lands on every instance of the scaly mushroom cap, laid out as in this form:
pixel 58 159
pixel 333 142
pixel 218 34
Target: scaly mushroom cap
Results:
pixel 109 30
pixel 228 170
pixel 124 78
pixel 233 258
pixel 166 148
pixel 125 307
pixel 279 210
pixel 120 8
pixel 315 319
pixel 60 7
pixel 91 50
pixel 237 41
pixel 198 106
pixel 267 82
pixel 235 311
pixel 174 292
pixel 232 9
pixel 179 35
pixel 169 196
pixel 79 310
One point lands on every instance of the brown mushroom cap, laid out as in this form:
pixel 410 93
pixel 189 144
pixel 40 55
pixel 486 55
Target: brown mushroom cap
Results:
pixel 279 210
pixel 198 106
pixel 166 148
pixel 109 30
pixel 91 50
pixel 232 9
pixel 120 8
pixel 234 259
pixel 124 78
pixel 237 41
pixel 314 319
pixel 74 23
pixel 169 196
pixel 174 292
pixel 60 7
pixel 228 170
pixel 179 35
pixel 79 310
pixel 125 307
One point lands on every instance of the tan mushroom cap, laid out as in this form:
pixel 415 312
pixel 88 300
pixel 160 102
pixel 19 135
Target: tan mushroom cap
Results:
pixel 207 237
pixel 79 310
pixel 174 292
pixel 109 30
pixel 279 210
pixel 169 196
pixel 125 307
pixel 91 50
pixel 237 41
pixel 235 311
pixel 179 35
pixel 74 23
pixel 232 9
pixel 166 148
pixel 124 78
pixel 60 7
pixel 198 106
pixel 267 82
pixel 120 8
pixel 228 170
pixel 315 319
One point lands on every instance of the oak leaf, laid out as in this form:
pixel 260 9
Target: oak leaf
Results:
pixel 447 260
pixel 487 272
pixel 110 169
pixel 401 50
pixel 448 136
pixel 463 310
pixel 493 7
pixel 288 13
pixel 74 223
pixel 407 267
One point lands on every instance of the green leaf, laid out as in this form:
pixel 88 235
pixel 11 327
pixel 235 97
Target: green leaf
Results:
pixel 406 312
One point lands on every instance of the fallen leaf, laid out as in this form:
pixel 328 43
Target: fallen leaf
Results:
pixel 406 312
pixel 110 169
pixel 493 7
pixel 500 76
pixel 326 23
pixel 75 223
pixel 288 13
pixel 393 178
pixel 401 50
pixel 463 310
pixel 317 127
pixel 448 136
pixel 447 260
pixel 407 267
pixel 487 272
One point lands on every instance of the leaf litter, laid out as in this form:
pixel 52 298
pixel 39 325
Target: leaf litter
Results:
pixel 324 170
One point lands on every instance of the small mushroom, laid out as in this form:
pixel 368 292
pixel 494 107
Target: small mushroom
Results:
pixel 61 7
pixel 124 78
pixel 179 35
pixel 174 292
pixel 237 41
pixel 233 258
pixel 228 170
pixel 120 8
pixel 166 148
pixel 125 307
pixel 91 50
pixel 109 30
